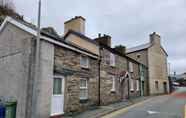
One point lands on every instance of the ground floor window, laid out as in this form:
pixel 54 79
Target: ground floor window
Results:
pixel 83 89
pixel 156 85
pixel 113 83
pixel 131 85
pixel 137 85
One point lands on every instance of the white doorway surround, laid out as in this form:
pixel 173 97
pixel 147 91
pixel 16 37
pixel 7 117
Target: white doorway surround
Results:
pixel 57 101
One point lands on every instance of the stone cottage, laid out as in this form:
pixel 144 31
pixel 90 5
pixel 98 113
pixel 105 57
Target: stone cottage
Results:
pixel 119 74
pixel 154 56
pixel 68 70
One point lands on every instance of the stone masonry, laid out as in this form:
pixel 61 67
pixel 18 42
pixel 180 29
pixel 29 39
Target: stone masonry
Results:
pixel 67 63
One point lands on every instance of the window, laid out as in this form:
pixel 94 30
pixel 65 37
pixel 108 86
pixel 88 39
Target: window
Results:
pixel 138 56
pixel 83 89
pixel 137 85
pixel 112 59
pixel 57 86
pixel 131 84
pixel 156 85
pixel 113 83
pixel 84 62
pixel 130 67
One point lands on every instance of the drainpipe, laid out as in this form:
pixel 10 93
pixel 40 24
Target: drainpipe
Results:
pixel 140 82
pixel 128 83
pixel 99 78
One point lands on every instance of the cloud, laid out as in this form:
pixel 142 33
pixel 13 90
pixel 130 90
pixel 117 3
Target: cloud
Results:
pixel 129 22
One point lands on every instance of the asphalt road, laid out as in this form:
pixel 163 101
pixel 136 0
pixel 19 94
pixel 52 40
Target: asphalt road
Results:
pixel 166 106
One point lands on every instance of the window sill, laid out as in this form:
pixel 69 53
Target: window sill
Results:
pixel 113 91
pixel 113 66
pixel 86 68
pixel 83 100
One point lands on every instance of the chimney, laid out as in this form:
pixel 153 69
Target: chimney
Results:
pixel 155 38
pixel 77 24
pixel 121 49
pixel 105 40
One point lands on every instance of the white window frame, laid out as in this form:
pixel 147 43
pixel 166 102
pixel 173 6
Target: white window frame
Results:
pixel 113 84
pixel 137 85
pixel 131 85
pixel 87 62
pixel 131 69
pixel 112 59
pixel 84 88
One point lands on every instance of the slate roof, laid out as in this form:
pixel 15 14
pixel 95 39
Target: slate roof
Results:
pixel 138 48
pixel 80 35
pixel 43 33
pixel 142 47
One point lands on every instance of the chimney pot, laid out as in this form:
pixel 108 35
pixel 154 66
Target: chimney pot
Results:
pixel 99 35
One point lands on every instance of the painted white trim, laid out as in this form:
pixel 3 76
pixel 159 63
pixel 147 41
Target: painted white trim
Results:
pixel 84 88
pixel 33 32
pixel 87 62
pixel 62 94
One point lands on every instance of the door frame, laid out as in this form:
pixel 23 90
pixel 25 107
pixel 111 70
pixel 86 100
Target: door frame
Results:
pixel 63 93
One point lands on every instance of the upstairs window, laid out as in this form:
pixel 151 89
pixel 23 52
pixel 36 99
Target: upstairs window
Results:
pixel 84 62
pixel 112 59
pixel 83 89
pixel 131 67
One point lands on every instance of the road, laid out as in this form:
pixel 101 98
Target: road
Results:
pixel 165 106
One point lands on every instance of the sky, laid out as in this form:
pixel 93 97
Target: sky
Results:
pixel 129 22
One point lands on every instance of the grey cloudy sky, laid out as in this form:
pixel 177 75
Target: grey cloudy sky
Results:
pixel 129 22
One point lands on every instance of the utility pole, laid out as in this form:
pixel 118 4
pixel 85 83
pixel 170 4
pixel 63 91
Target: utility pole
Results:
pixel 36 66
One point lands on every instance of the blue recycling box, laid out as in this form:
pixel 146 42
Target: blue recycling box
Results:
pixel 2 111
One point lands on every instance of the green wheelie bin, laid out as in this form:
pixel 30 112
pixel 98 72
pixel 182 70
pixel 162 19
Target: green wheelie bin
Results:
pixel 10 109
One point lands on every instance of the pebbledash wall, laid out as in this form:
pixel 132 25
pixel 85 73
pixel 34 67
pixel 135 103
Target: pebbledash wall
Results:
pixel 67 64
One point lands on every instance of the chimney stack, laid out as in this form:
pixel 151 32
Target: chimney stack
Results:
pixel 121 49
pixel 155 38
pixel 76 24
pixel 105 40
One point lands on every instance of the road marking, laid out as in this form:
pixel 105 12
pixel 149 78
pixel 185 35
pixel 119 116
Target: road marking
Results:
pixel 185 111
pixel 152 112
pixel 124 110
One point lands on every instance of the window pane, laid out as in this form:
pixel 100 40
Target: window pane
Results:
pixel 84 61
pixel 57 86
pixel 83 83
pixel 83 93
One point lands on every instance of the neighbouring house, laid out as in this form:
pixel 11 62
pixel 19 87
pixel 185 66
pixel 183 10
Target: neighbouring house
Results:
pixel 80 70
pixel 118 80
pixel 154 56
pixel 68 70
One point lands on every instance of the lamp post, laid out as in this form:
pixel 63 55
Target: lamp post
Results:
pixel 36 67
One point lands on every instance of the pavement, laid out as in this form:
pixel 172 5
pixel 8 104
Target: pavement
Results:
pixel 104 110
pixel 165 106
